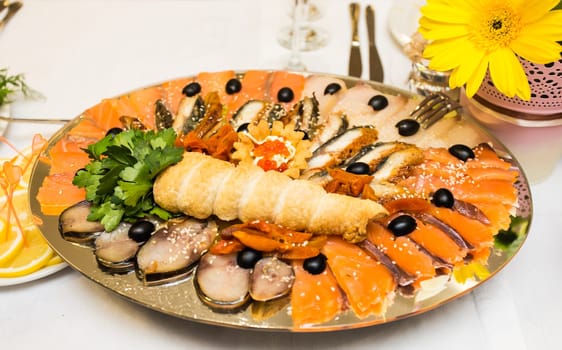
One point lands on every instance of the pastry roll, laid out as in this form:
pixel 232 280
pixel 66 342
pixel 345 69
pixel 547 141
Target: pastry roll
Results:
pixel 201 186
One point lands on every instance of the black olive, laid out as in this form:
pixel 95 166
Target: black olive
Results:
pixel 79 170
pixel 113 131
pixel 443 198
pixel 285 95
pixel 462 152
pixel 315 265
pixel 408 127
pixel 378 102
pixel 243 127
pixel 248 257
pixel 358 168
pixel 233 86
pixel 141 231
pixel 402 225
pixel 191 89
pixel 305 134
pixel 332 88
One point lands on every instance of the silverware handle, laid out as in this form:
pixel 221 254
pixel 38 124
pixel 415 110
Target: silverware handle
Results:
pixel 13 8
pixel 354 13
pixel 33 120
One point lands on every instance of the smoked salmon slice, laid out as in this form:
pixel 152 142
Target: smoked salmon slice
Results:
pixel 438 243
pixel 367 284
pixel 172 93
pixel 402 251
pixel 254 87
pixel 215 82
pixel 282 79
pixel 315 299
pixel 58 193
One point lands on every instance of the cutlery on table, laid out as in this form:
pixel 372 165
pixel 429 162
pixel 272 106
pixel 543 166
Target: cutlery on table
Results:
pixel 355 53
pixel 376 72
pixel 12 9
pixel 33 120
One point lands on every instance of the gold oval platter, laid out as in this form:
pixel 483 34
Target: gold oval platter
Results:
pixel 312 98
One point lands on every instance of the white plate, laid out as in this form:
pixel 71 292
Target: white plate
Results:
pixel 403 19
pixel 44 272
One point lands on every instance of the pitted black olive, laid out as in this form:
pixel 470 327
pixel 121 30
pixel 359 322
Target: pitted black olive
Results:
pixel 443 198
pixel 358 168
pixel 248 257
pixel 332 88
pixel 402 225
pixel 243 127
pixel 285 95
pixel 462 152
pixel 378 102
pixel 141 231
pixel 305 134
pixel 233 86
pixel 315 265
pixel 191 89
pixel 113 131
pixel 408 127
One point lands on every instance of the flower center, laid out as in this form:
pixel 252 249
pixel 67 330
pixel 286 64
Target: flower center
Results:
pixel 497 28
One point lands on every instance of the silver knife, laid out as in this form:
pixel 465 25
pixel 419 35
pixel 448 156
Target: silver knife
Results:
pixel 12 9
pixel 355 53
pixel 376 72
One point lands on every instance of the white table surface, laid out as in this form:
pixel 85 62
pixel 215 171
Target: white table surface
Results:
pixel 78 52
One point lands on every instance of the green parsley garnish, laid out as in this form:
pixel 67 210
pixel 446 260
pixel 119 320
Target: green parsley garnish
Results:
pixel 120 176
pixel 10 85
pixel 511 239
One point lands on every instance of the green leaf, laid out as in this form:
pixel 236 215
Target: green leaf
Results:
pixel 119 178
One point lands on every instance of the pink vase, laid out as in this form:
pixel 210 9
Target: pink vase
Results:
pixel 532 130
pixel 545 105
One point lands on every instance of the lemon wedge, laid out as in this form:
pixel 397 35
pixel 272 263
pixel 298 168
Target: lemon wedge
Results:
pixel 34 255
pixel 11 242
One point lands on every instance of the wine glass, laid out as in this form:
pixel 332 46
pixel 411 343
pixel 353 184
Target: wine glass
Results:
pixel 312 37
pixel 298 16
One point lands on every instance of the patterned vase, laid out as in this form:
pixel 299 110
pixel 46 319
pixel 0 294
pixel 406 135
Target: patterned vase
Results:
pixel 545 106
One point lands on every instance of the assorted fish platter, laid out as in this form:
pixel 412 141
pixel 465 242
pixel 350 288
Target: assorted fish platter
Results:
pixel 279 200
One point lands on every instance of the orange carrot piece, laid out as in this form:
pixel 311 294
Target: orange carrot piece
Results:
pixel 257 242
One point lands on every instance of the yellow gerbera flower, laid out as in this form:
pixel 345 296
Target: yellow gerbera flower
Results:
pixel 470 37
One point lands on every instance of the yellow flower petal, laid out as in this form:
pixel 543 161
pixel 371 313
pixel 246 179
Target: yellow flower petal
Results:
pixel 473 83
pixel 537 51
pixel 532 10
pixel 434 30
pixel 445 11
pixel 507 73
pixel 548 28
pixel 467 66
pixel 444 54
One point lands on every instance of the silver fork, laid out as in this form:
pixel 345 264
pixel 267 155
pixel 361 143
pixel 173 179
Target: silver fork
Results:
pixel 433 108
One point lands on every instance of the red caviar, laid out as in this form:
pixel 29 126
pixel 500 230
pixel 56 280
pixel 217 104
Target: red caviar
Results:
pixel 267 152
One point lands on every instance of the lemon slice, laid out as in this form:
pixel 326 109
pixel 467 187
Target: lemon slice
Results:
pixel 34 254
pixel 11 242
pixel 55 260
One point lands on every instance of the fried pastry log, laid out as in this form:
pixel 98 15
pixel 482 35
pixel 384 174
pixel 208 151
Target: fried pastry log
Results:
pixel 201 186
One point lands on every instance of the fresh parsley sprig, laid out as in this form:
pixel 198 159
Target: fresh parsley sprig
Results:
pixel 119 178
pixel 11 85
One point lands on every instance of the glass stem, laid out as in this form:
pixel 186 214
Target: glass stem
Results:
pixel 300 10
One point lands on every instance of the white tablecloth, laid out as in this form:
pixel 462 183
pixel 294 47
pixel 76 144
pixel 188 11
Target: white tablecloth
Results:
pixel 78 52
